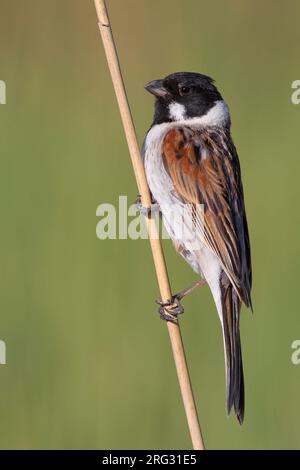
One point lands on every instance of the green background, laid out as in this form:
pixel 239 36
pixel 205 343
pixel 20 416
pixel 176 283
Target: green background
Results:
pixel 89 363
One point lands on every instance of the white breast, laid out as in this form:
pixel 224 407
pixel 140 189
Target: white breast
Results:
pixel 160 183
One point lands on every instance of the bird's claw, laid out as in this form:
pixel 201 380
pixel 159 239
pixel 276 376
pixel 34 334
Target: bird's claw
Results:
pixel 147 211
pixel 170 310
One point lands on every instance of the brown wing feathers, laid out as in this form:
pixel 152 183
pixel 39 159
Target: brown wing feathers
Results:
pixel 203 172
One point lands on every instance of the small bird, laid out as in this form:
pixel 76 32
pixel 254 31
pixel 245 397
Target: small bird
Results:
pixel 190 160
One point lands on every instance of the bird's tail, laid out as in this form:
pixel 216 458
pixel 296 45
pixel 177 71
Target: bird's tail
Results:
pixel 231 306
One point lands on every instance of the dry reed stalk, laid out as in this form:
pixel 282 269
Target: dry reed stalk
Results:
pixel 157 252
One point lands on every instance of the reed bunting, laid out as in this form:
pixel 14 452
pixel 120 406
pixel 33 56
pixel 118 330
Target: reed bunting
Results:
pixel 190 160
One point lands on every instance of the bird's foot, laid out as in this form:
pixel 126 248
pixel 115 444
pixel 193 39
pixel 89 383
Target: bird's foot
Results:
pixel 170 310
pixel 147 211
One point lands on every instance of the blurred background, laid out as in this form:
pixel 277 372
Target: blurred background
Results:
pixel 89 363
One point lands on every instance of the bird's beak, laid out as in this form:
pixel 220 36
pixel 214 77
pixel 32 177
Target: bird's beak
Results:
pixel 156 88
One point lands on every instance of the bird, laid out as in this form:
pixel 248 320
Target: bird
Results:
pixel 190 161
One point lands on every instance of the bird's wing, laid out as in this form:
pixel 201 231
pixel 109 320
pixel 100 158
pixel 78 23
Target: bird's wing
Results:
pixel 204 168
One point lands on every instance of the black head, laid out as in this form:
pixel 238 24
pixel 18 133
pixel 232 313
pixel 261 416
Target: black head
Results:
pixel 183 95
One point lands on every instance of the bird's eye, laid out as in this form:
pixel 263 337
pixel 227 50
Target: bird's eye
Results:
pixel 185 90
